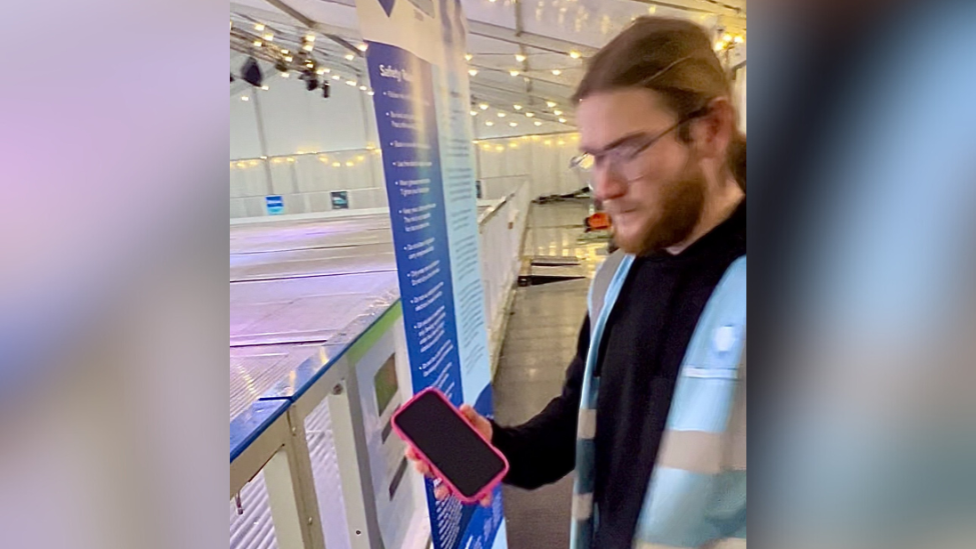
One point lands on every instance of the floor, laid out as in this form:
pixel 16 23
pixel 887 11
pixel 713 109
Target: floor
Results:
pixel 539 344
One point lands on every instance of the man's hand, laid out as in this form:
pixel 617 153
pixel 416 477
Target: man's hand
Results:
pixel 481 425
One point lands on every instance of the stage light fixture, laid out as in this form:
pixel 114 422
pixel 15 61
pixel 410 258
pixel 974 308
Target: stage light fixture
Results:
pixel 251 72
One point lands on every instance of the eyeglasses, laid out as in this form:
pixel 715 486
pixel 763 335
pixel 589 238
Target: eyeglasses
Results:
pixel 622 160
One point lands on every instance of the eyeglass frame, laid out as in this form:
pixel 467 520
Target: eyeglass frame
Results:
pixel 576 161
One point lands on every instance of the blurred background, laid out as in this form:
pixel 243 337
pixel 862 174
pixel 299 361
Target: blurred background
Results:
pixel 113 285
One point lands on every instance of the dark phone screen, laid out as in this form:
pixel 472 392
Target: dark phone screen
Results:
pixel 450 443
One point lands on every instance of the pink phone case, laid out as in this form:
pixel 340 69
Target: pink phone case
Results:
pixel 457 493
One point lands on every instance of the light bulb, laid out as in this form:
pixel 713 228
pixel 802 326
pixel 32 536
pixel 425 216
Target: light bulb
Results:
pixel 501 115
pixel 513 73
pixel 320 71
pixel 362 47
pixel 351 82
pixel 537 123
pixel 556 72
pixel 550 104
pixel 519 57
pixel 336 77
pixel 720 46
pixel 575 54
pixel 483 106
pixel 308 47
pixel 371 93
pixel 269 37
pixel 513 124
pixel 350 57
pixel 727 37
pixel 336 164
pixel 349 163
pixel 517 107
pixel 257 43
pixel 562 120
pixel 472 72
pixel 288 58
pixel 489 123
pixel 739 39
pixel 363 88
pixel 258 27
pixel 245 98
pixel 468 57
pixel 530 114
pixel 557 112
pixel 284 75
pixel 310 37
pixel 474 113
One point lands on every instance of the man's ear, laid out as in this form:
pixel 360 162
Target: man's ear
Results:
pixel 712 132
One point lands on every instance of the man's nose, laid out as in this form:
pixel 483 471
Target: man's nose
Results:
pixel 607 185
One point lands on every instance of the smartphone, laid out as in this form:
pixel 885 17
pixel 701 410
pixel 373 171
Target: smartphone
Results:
pixel 456 453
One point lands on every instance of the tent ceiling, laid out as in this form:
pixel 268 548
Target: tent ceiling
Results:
pixel 545 32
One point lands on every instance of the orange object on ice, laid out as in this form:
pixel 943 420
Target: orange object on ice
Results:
pixel 598 221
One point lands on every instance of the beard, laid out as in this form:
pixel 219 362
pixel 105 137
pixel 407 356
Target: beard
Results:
pixel 677 213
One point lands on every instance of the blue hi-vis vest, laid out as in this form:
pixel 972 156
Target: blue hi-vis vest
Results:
pixel 696 497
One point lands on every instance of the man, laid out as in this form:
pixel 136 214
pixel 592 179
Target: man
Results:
pixel 657 127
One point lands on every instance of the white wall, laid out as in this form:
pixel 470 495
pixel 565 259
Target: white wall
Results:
pixel 543 158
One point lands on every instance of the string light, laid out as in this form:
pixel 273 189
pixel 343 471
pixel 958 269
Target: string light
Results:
pixel 489 123
pixel 321 70
pixel 308 47
pixel 371 93
pixel 258 27
pixel 519 57
pixel 336 165
pixel 362 47
pixel 284 52
pixel 483 106
pixel 562 120
pixel 513 73
pixel 363 88
pixel 290 159
pixel 501 115
pixel 350 57
pixel 349 163
pixel 550 104
pixel 575 54
pixel 472 72
pixel 351 82
pixel 530 114
pixel 537 123
pixel 257 43
pixel 245 98
pixel 739 39
pixel 288 58
pixel 517 107
pixel 265 87
pixel 268 37
pixel 310 37
pixel 474 113
pixel 513 124
pixel 468 57
pixel 556 72
pixel 336 77
pixel 285 75
pixel 727 38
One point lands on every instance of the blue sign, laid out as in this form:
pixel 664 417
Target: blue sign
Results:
pixel 275 204
pixel 419 75
pixel 340 200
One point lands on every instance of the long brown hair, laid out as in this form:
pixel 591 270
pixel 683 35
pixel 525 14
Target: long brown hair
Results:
pixel 674 58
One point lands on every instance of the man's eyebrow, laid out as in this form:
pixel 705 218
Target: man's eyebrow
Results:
pixel 616 143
